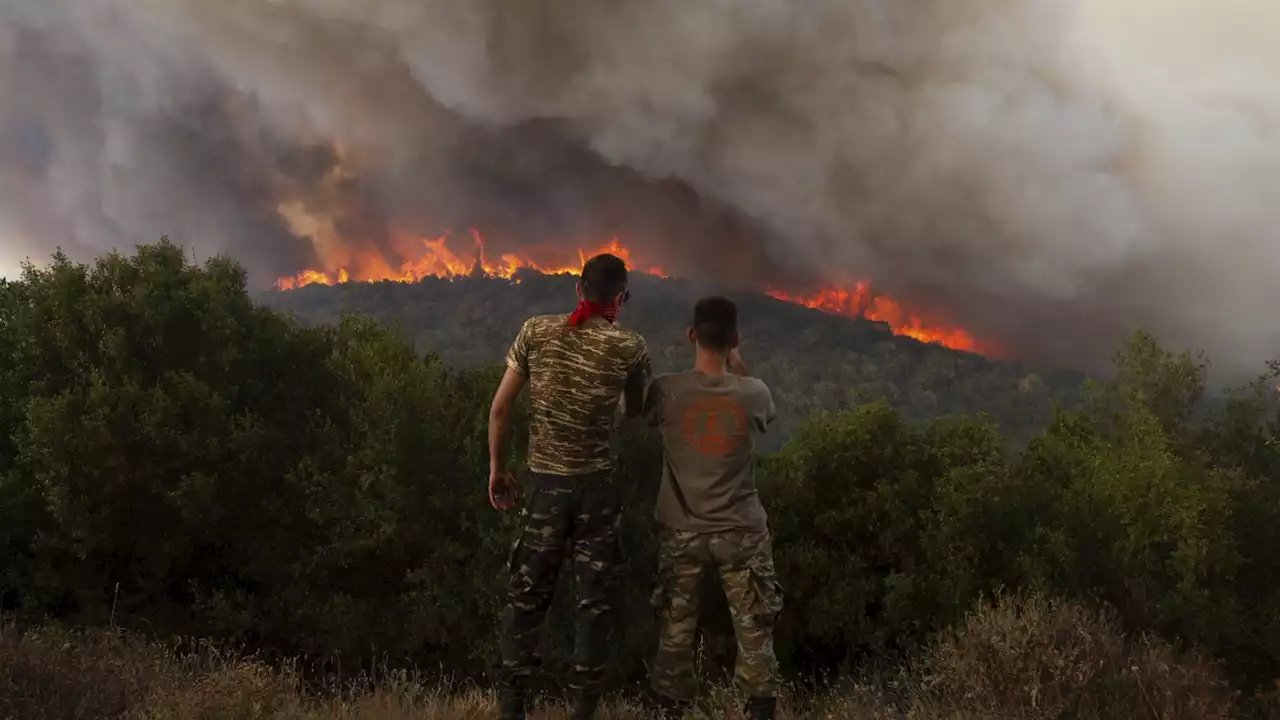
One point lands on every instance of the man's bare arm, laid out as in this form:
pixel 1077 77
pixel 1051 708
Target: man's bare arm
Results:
pixel 735 364
pixel 504 402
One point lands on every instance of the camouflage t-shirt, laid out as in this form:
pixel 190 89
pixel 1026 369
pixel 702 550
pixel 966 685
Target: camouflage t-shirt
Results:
pixel 576 377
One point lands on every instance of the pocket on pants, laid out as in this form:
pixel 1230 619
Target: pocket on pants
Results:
pixel 767 590
pixel 670 552
pixel 513 554
pixel 767 601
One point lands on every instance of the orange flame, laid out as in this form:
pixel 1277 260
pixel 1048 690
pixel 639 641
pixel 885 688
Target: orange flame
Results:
pixel 860 302
pixel 436 259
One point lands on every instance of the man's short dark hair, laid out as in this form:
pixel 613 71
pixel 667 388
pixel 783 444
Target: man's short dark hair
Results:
pixel 603 278
pixel 715 323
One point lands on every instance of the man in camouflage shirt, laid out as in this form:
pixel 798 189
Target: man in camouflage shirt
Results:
pixel 711 515
pixel 577 366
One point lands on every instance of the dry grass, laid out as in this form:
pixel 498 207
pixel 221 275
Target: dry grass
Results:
pixel 1037 658
pixel 1031 658
pixel 52 673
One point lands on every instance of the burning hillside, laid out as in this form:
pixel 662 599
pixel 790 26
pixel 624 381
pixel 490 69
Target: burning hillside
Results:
pixel 440 257
pixel 1032 171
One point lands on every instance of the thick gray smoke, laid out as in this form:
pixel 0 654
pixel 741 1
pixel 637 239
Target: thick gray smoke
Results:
pixel 1046 173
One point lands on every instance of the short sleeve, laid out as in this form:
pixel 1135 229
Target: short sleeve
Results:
pixel 765 412
pixel 518 355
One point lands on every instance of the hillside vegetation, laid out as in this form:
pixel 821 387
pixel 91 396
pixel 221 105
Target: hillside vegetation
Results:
pixel 177 459
pixel 814 361
pixel 1019 659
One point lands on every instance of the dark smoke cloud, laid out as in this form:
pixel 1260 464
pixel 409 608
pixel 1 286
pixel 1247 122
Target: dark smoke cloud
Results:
pixel 1022 167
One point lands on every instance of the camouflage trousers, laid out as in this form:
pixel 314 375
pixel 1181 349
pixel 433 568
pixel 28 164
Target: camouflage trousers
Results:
pixel 576 516
pixel 744 561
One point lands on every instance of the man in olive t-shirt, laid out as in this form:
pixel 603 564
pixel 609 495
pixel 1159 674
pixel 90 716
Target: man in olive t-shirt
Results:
pixel 711 513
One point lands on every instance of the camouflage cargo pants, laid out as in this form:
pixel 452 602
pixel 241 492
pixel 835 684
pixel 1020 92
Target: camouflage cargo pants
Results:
pixel 579 515
pixel 744 561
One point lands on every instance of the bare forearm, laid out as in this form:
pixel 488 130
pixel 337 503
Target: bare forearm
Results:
pixel 500 413
pixel 499 417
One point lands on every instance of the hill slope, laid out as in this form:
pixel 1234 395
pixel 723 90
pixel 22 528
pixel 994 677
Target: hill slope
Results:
pixel 812 360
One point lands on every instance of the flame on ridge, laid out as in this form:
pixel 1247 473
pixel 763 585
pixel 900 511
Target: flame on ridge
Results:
pixel 439 261
pixel 861 302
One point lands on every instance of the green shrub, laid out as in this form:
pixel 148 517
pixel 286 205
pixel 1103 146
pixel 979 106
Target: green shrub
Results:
pixel 887 531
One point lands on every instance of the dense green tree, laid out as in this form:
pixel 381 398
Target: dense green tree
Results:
pixel 172 446
pixel 887 530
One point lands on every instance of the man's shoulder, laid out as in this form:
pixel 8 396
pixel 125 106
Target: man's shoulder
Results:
pixel 616 341
pixel 541 324
pixel 683 384
pixel 626 337
pixel 662 380
pixel 754 390
pixel 674 378
pixel 597 339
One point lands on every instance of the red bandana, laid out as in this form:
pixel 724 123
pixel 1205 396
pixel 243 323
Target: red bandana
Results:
pixel 588 308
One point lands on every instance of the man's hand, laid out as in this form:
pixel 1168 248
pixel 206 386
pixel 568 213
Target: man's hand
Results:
pixel 504 491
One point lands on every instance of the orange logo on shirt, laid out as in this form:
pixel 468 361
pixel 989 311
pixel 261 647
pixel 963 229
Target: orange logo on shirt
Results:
pixel 715 425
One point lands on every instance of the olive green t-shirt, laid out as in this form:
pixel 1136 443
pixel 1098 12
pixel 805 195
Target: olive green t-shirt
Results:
pixel 576 377
pixel 708 425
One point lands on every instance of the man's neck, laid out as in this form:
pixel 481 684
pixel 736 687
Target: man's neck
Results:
pixel 710 363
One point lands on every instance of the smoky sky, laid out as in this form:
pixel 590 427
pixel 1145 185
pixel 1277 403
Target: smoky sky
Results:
pixel 1049 174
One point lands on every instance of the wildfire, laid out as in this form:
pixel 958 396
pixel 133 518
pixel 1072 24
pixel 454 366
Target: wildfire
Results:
pixel 860 302
pixel 437 259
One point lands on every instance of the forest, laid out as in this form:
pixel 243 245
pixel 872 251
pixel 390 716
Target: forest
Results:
pixel 302 477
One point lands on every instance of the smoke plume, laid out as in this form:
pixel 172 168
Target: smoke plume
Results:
pixel 1046 173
